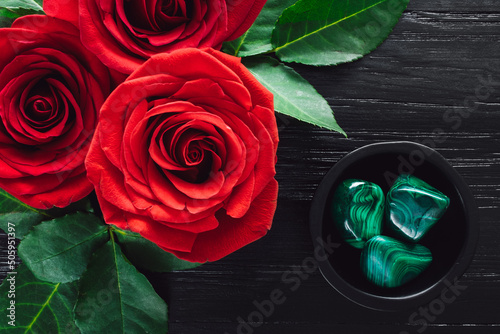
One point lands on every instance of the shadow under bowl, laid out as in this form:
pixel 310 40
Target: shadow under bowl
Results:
pixel 451 240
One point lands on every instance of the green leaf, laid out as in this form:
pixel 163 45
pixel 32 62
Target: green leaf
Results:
pixel 26 4
pixel 15 213
pixel 14 13
pixel 293 95
pixel 145 254
pixel 329 32
pixel 5 18
pixel 40 307
pixel 8 13
pixel 12 9
pixel 115 298
pixel 257 39
pixel 59 250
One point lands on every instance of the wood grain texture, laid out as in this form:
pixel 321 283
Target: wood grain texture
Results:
pixel 421 81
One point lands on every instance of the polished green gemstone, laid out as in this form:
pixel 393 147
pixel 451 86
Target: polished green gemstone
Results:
pixel 390 263
pixel 358 210
pixel 413 207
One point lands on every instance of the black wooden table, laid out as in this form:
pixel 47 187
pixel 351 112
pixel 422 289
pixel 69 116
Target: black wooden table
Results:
pixel 436 81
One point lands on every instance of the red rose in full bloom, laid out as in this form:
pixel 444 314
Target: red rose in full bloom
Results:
pixel 51 90
pixel 185 152
pixel 123 34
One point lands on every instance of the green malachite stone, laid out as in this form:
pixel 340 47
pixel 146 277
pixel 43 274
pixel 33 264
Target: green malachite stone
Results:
pixel 390 263
pixel 358 211
pixel 413 207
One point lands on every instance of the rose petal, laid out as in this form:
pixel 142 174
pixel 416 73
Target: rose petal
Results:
pixel 241 198
pixel 49 190
pixel 105 176
pixel 162 235
pixel 260 95
pixel 53 123
pixel 202 65
pixel 232 234
pixel 242 16
pixel 63 9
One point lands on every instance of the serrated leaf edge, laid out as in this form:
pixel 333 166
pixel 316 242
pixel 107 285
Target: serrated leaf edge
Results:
pixel 321 124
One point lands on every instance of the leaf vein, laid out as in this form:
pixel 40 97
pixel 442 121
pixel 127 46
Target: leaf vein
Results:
pixel 28 328
pixel 325 27
pixel 71 247
pixel 242 40
pixel 118 282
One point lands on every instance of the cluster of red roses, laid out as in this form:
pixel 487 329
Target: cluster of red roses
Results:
pixel 180 148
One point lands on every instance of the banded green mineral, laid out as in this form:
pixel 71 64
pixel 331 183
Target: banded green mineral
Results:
pixel 413 207
pixel 358 211
pixel 390 263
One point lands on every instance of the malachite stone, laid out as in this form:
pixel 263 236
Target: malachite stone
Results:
pixel 390 263
pixel 358 211
pixel 413 207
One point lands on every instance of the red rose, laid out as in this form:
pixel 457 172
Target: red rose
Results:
pixel 184 154
pixel 51 89
pixel 123 34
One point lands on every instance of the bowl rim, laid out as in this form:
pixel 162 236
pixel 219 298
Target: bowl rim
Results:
pixel 390 303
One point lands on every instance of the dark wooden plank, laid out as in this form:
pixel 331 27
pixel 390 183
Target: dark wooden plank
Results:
pixel 301 328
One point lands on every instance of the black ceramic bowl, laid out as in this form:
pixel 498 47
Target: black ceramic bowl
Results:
pixel 452 240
